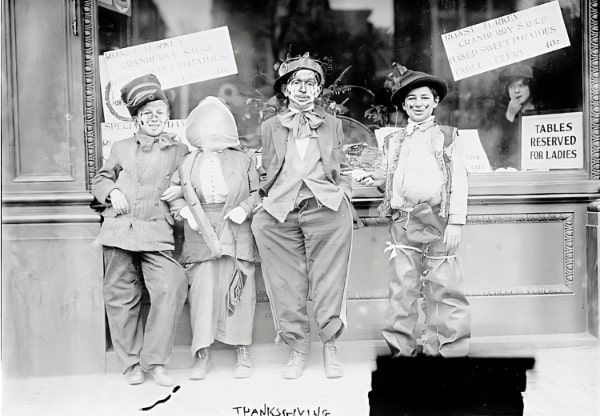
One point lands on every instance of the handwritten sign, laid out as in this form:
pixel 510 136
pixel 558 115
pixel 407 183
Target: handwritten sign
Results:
pixel 552 141
pixel 114 131
pixel 266 409
pixel 175 61
pixel 469 145
pixel 505 40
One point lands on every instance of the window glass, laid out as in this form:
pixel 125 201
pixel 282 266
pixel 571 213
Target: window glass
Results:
pixel 359 40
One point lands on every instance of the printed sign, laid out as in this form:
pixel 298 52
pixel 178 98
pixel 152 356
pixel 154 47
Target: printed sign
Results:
pixel 505 40
pixel 552 141
pixel 175 61
pixel 476 161
pixel 114 131
pixel 114 109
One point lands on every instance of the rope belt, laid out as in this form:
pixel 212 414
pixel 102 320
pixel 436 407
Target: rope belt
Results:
pixel 393 249
pixel 440 257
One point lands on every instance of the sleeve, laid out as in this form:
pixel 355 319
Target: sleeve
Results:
pixel 459 190
pixel 177 204
pixel 344 181
pixel 252 201
pixel 105 180
pixel 267 152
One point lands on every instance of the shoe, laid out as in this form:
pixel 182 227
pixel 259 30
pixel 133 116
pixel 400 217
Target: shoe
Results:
pixel 160 375
pixel 295 365
pixel 135 375
pixel 202 365
pixel 333 367
pixel 243 367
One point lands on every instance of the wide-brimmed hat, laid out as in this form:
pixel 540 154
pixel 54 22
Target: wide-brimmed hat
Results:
pixel 516 71
pixel 288 67
pixel 410 80
pixel 140 91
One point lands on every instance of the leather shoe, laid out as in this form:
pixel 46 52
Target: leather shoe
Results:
pixel 160 375
pixel 243 367
pixel 333 367
pixel 295 366
pixel 202 365
pixel 135 375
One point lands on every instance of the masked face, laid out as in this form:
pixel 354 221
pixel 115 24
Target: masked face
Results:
pixel 302 89
pixel 151 119
pixel 419 104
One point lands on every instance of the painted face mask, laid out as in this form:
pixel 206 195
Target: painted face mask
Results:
pixel 302 89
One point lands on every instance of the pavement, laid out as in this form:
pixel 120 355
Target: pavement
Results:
pixel 564 381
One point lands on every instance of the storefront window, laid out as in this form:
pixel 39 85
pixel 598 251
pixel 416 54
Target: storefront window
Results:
pixel 539 131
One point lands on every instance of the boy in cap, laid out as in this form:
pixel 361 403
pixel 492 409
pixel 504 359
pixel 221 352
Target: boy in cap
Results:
pixel 304 228
pixel 137 235
pixel 426 196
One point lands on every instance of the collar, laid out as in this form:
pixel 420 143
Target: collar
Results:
pixel 422 126
pixel 164 140
pixel 293 110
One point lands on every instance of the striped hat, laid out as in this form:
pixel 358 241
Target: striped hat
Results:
pixel 140 91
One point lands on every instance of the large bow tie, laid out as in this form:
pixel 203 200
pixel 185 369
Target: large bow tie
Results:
pixel 164 141
pixel 302 124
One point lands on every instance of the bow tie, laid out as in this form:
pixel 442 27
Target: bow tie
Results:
pixel 302 124
pixel 164 141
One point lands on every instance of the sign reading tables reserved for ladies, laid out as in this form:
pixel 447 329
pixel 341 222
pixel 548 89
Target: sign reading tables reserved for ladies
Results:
pixel 552 141
pixel 505 40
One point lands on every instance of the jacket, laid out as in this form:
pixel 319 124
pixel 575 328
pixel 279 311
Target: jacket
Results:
pixel 455 192
pixel 331 137
pixel 235 240
pixel 142 176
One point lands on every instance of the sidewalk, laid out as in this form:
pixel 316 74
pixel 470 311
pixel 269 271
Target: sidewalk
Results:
pixel 565 381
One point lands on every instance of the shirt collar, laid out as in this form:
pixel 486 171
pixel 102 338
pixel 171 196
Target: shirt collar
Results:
pixel 293 110
pixel 422 126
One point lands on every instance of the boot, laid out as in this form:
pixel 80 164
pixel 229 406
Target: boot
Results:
pixel 243 367
pixel 135 375
pixel 202 365
pixel 295 365
pixel 160 375
pixel 333 367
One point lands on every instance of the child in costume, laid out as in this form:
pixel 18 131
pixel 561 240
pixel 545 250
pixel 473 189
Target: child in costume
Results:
pixel 426 196
pixel 137 234
pixel 219 183
pixel 303 229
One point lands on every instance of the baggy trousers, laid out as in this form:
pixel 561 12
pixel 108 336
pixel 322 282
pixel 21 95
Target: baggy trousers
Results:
pixel 426 269
pixel 306 255
pixel 166 283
